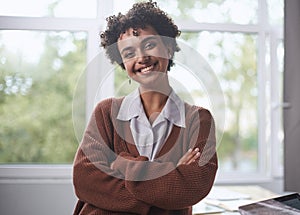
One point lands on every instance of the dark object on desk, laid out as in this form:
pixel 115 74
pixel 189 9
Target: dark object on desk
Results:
pixel 283 205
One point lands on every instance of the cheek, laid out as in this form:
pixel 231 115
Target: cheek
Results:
pixel 128 66
pixel 164 62
pixel 163 52
pixel 159 53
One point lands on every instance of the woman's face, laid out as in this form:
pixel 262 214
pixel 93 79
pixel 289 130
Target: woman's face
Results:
pixel 144 55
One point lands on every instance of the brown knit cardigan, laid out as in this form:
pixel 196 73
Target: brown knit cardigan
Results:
pixel 135 185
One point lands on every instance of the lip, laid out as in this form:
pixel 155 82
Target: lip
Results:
pixel 147 69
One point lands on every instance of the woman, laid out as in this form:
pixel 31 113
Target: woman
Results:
pixel 148 152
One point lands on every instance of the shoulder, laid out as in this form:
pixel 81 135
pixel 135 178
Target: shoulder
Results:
pixel 193 112
pixel 108 107
pixel 108 103
pixel 105 111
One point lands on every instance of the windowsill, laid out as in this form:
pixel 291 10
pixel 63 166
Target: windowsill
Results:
pixel 52 172
pixel 243 178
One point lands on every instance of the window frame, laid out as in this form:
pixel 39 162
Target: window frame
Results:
pixel 267 167
pixel 55 172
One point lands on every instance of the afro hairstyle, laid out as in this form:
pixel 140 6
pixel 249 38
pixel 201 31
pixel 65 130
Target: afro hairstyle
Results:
pixel 141 14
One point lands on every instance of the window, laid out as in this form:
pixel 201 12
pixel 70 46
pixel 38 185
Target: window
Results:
pixel 56 71
pixel 44 50
pixel 38 78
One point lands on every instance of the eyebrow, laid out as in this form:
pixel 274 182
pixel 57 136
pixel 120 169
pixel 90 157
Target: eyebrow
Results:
pixel 149 38
pixel 143 41
pixel 125 49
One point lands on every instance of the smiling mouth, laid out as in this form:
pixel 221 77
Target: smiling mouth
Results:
pixel 147 69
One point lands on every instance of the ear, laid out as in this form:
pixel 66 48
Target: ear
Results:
pixel 170 51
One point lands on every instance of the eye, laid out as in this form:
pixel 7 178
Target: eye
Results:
pixel 128 54
pixel 150 45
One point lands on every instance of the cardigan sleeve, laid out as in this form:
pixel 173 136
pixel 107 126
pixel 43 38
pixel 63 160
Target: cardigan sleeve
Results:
pixel 94 182
pixel 181 186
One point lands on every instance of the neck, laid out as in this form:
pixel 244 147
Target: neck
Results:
pixel 154 100
pixel 160 86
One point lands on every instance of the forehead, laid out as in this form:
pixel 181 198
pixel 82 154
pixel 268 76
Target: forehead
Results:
pixel 129 37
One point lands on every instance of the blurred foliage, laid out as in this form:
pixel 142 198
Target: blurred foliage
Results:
pixel 36 103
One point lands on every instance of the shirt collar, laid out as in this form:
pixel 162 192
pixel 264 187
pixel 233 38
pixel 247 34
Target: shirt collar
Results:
pixel 131 106
pixel 174 109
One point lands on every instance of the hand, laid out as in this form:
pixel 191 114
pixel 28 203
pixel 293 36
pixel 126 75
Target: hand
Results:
pixel 189 157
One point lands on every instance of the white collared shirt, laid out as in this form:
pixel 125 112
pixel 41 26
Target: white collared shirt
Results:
pixel 148 138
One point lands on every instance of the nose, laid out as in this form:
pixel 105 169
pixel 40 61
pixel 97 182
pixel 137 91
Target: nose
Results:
pixel 142 58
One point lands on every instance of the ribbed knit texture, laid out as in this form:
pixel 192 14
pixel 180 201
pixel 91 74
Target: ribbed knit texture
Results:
pixel 135 185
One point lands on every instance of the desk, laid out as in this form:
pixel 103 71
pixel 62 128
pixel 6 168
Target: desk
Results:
pixel 245 195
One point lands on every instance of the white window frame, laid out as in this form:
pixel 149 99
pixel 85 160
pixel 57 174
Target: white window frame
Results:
pixel 31 173
pixel 268 166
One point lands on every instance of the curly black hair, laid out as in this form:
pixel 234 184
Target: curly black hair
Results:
pixel 141 14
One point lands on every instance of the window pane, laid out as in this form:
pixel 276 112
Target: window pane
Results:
pixel 122 5
pixel 233 58
pixel 52 8
pixel 210 11
pixel 275 11
pixel 37 80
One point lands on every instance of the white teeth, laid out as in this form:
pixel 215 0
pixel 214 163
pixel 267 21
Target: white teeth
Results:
pixel 147 69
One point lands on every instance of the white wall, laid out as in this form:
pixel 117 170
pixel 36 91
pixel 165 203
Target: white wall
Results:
pixel 37 198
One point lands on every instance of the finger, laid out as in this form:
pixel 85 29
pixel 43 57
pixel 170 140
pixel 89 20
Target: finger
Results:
pixel 187 156
pixel 191 154
pixel 194 158
pixel 184 158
